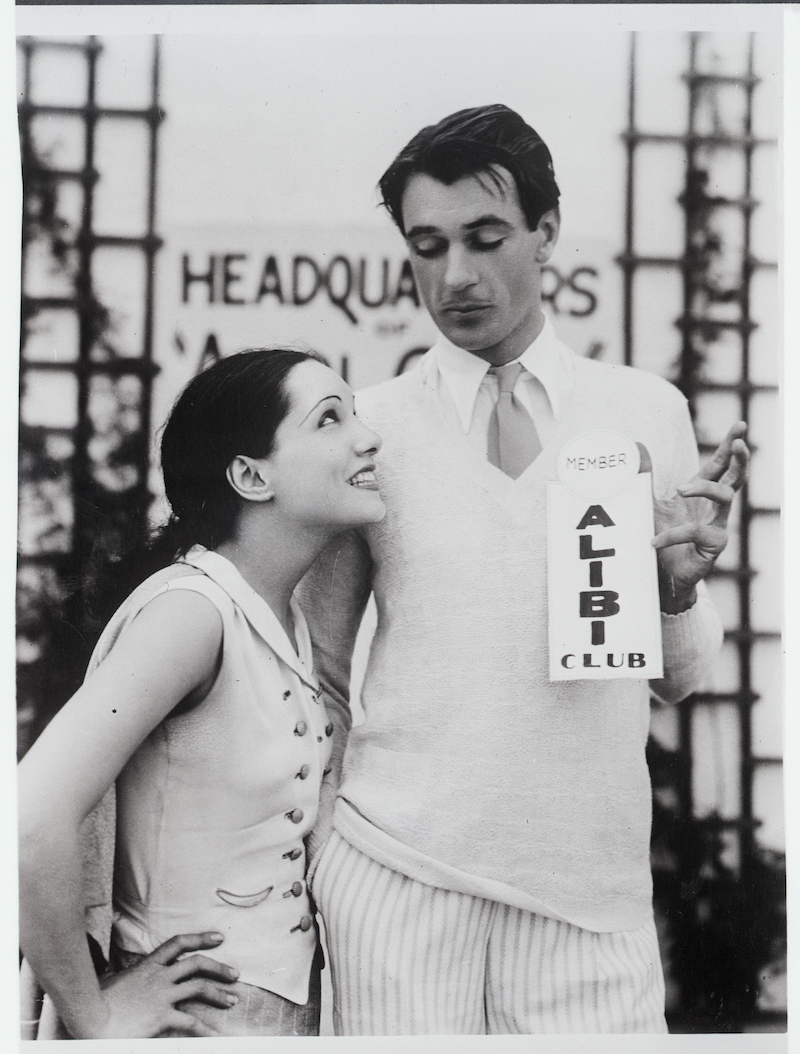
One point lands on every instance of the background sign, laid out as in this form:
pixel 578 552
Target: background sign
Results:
pixel 344 291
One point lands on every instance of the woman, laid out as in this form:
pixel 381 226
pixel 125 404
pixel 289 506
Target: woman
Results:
pixel 202 706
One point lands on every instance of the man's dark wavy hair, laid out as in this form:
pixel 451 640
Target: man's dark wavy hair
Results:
pixel 473 142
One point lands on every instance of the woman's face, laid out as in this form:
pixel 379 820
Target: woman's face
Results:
pixel 322 467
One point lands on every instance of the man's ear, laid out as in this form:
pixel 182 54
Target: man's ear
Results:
pixel 547 235
pixel 249 477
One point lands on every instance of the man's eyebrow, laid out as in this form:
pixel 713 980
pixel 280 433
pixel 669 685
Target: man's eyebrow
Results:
pixel 321 401
pixel 489 220
pixel 422 230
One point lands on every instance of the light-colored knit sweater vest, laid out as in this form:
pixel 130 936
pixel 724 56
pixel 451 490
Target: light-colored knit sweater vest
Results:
pixel 471 763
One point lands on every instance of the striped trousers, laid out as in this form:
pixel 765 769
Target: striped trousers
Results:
pixel 411 959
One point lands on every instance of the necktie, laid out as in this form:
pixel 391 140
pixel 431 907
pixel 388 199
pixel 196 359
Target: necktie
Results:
pixel 513 439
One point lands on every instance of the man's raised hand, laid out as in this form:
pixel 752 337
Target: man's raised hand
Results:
pixel 691 527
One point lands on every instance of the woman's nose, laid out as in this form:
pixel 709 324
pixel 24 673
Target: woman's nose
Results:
pixel 369 442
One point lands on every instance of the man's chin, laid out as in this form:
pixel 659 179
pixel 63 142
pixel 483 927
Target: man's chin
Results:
pixel 471 338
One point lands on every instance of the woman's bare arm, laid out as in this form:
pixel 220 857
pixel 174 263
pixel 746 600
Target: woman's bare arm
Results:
pixel 168 651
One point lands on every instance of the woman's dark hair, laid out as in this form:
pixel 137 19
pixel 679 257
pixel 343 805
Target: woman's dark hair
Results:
pixel 472 142
pixel 233 407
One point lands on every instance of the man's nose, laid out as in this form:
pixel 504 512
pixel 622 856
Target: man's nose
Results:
pixel 460 272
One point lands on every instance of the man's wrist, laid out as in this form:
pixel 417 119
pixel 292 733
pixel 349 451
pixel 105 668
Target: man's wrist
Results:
pixel 676 604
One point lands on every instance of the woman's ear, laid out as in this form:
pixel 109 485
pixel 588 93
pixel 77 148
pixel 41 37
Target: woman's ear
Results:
pixel 249 478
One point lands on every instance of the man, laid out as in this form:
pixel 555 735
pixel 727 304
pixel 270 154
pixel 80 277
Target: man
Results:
pixel 488 869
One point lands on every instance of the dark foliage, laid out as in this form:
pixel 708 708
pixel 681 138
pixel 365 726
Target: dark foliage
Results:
pixel 725 918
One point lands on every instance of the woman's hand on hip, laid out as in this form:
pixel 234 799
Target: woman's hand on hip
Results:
pixel 143 1000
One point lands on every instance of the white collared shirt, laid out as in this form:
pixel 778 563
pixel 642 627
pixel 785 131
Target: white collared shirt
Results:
pixel 466 387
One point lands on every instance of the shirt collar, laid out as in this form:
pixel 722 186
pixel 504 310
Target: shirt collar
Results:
pixel 258 612
pixel 545 359
pixel 463 372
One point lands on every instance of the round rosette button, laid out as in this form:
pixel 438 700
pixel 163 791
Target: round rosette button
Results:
pixel 596 465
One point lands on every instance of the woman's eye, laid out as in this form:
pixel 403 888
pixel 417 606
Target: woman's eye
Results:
pixel 330 417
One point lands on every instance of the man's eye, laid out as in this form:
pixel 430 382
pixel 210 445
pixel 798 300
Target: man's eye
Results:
pixel 486 243
pixel 428 247
pixel 330 417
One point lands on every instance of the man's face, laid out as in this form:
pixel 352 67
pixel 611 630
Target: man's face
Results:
pixel 477 265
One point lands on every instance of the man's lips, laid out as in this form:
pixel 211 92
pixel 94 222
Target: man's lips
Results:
pixel 465 310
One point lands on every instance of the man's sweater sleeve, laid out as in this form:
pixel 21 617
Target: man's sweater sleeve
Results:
pixel 690 642
pixel 692 639
pixel 333 596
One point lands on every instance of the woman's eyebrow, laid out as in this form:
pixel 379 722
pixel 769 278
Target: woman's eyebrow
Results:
pixel 321 401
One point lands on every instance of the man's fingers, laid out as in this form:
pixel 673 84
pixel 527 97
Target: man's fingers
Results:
pixel 736 472
pixel 183 1022
pixel 207 992
pixel 201 965
pixel 708 539
pixel 720 460
pixel 720 494
pixel 169 951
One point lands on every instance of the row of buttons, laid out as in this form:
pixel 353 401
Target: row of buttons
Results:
pixel 296 815
pixel 296 888
pixel 301 728
pixel 315 694
pixel 305 769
